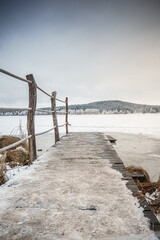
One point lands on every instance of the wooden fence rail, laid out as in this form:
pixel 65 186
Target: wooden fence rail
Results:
pixel 32 85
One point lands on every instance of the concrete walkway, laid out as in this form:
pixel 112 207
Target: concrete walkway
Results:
pixel 71 193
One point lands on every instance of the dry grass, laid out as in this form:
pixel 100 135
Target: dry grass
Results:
pixel 148 187
pixel 140 170
pixel 17 157
pixel 2 170
pixel 7 140
pixel 14 157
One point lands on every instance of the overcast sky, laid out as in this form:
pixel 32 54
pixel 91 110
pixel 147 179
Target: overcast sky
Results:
pixel 88 50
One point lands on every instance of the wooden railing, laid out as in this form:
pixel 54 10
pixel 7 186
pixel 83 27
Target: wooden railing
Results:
pixel 31 114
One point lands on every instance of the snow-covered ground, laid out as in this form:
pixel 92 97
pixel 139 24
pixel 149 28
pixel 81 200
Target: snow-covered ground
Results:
pixel 126 123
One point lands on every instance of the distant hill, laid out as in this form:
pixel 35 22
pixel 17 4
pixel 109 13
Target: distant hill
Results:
pixel 103 107
pixel 114 105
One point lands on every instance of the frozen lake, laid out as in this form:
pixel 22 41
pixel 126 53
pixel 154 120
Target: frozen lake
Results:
pixel 141 146
pixel 148 124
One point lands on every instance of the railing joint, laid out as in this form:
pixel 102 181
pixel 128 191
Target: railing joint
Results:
pixel 31 114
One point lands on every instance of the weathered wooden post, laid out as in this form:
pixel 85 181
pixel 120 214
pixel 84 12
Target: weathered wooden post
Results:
pixel 54 115
pixel 31 117
pixel 66 115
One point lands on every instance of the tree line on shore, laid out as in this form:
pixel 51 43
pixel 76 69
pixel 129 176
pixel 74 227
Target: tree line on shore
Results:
pixel 103 107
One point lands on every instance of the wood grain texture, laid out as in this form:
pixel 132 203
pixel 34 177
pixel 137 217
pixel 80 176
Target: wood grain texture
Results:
pixel 31 117
pixel 54 115
pixel 66 115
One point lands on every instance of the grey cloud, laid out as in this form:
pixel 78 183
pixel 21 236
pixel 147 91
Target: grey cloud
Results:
pixel 88 50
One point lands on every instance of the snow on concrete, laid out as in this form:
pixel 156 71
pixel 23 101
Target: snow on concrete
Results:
pixel 71 193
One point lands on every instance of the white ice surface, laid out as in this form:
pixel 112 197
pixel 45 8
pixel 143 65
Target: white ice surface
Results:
pixel 125 123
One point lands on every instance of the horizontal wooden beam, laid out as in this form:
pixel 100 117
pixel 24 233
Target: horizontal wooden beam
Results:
pixel 14 144
pixel 45 131
pixel 61 112
pixel 39 110
pixel 62 125
pixel 14 76
pixel 44 92
pixel 60 100
pixel 15 109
